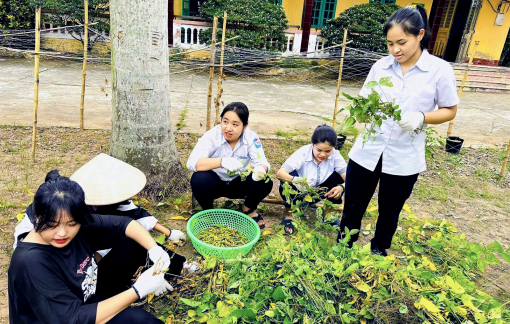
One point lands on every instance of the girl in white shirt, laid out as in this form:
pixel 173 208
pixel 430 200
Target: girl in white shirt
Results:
pixel 395 157
pixel 226 148
pixel 320 164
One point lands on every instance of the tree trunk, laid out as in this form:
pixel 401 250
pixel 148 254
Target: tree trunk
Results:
pixel 141 123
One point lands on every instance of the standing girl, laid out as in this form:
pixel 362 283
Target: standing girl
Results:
pixel 395 157
pixel 320 164
pixel 224 149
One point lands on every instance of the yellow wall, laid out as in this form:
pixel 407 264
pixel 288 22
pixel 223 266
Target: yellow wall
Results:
pixel 72 45
pixel 492 38
pixel 294 11
pixel 178 7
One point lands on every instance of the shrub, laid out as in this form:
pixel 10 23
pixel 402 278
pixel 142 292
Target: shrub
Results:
pixel 365 24
pixel 260 23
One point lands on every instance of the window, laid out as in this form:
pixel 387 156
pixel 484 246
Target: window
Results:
pixel 323 10
pixel 276 2
pixel 383 1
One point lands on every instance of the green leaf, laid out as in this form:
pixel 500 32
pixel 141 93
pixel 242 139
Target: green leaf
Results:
pixel 308 198
pixel 269 313
pixel 189 302
pixel 386 81
pixel 364 287
pixel 506 257
pixel 371 84
pixel 278 294
pixel 161 239
pixel 496 247
pixel 349 122
pixel 238 313
pixel 403 309
pixel 347 96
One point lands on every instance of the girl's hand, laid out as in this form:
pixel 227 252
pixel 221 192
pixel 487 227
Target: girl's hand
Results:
pixel 411 121
pixel 335 193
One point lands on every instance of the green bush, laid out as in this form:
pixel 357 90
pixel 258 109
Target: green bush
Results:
pixel 16 14
pixel 260 23
pixel 365 24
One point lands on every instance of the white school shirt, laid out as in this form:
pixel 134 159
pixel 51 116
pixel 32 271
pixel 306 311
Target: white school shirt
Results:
pixel 214 145
pixel 429 83
pixel 303 162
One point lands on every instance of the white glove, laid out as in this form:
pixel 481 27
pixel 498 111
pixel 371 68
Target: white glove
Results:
pixel 147 283
pixel 165 286
pixel 300 184
pixel 258 173
pixel 191 267
pixel 231 163
pixel 176 236
pixel 159 257
pixel 411 121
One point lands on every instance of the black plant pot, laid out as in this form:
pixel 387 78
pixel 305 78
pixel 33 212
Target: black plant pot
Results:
pixel 340 141
pixel 454 144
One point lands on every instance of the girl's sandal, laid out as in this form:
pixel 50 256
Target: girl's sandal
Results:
pixel 257 219
pixel 287 223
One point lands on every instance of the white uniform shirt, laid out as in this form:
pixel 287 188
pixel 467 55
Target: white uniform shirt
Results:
pixel 429 83
pixel 303 162
pixel 214 145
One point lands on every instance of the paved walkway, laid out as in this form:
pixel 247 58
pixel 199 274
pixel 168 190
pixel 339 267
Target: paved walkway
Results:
pixel 483 118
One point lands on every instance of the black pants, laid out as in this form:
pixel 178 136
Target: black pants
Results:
pixel 393 193
pixel 115 271
pixel 134 315
pixel 332 181
pixel 207 186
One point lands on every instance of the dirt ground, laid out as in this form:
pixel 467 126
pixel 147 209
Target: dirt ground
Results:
pixel 461 188
pixel 483 118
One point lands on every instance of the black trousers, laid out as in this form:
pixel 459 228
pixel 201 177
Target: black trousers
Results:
pixel 393 192
pixel 116 269
pixel 332 181
pixel 207 186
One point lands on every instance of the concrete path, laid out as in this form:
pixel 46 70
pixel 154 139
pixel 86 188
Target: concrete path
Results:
pixel 483 118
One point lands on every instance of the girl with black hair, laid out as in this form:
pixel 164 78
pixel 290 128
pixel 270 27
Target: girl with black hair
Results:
pixel 320 165
pixel 223 150
pixel 394 158
pixel 53 276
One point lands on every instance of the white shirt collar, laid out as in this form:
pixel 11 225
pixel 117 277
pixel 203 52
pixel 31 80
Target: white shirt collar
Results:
pixel 422 63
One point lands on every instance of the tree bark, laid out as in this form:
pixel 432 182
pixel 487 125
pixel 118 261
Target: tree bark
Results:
pixel 141 123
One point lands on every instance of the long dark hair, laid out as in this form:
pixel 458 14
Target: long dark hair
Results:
pixel 55 197
pixel 324 133
pixel 412 20
pixel 240 109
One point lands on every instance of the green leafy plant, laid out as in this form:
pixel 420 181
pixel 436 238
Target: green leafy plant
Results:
pixel 364 23
pixel 299 202
pixel 260 23
pixel 371 110
pixel 245 172
pixel 16 14
pixel 433 141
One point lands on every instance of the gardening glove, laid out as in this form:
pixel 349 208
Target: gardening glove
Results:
pixel 259 173
pixel 411 121
pixel 176 236
pixel 148 283
pixel 299 183
pixel 165 286
pixel 231 163
pixel 191 267
pixel 159 256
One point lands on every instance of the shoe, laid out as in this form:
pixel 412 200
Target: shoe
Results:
pixel 377 251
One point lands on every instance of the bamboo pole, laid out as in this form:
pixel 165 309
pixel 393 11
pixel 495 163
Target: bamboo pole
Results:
pixel 505 162
pixel 211 73
pixel 339 78
pixel 220 77
pixel 84 70
pixel 36 75
pixel 464 79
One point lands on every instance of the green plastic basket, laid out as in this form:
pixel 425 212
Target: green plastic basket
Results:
pixel 231 218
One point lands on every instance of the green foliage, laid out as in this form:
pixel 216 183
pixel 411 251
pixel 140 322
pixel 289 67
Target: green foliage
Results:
pixel 260 23
pixel 433 141
pixel 310 279
pixel 365 24
pixel 371 110
pixel 16 14
pixel 71 12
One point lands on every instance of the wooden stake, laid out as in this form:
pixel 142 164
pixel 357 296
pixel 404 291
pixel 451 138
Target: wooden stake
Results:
pixel 339 78
pixel 84 70
pixel 211 73
pixel 464 79
pixel 505 161
pixel 36 75
pixel 220 77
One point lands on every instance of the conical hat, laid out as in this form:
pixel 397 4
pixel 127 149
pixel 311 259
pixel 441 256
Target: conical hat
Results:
pixel 107 180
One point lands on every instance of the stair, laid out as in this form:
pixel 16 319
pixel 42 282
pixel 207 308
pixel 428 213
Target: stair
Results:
pixel 483 78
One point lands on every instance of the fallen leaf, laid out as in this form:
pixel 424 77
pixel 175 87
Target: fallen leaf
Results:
pixel 178 218
pixel 266 232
